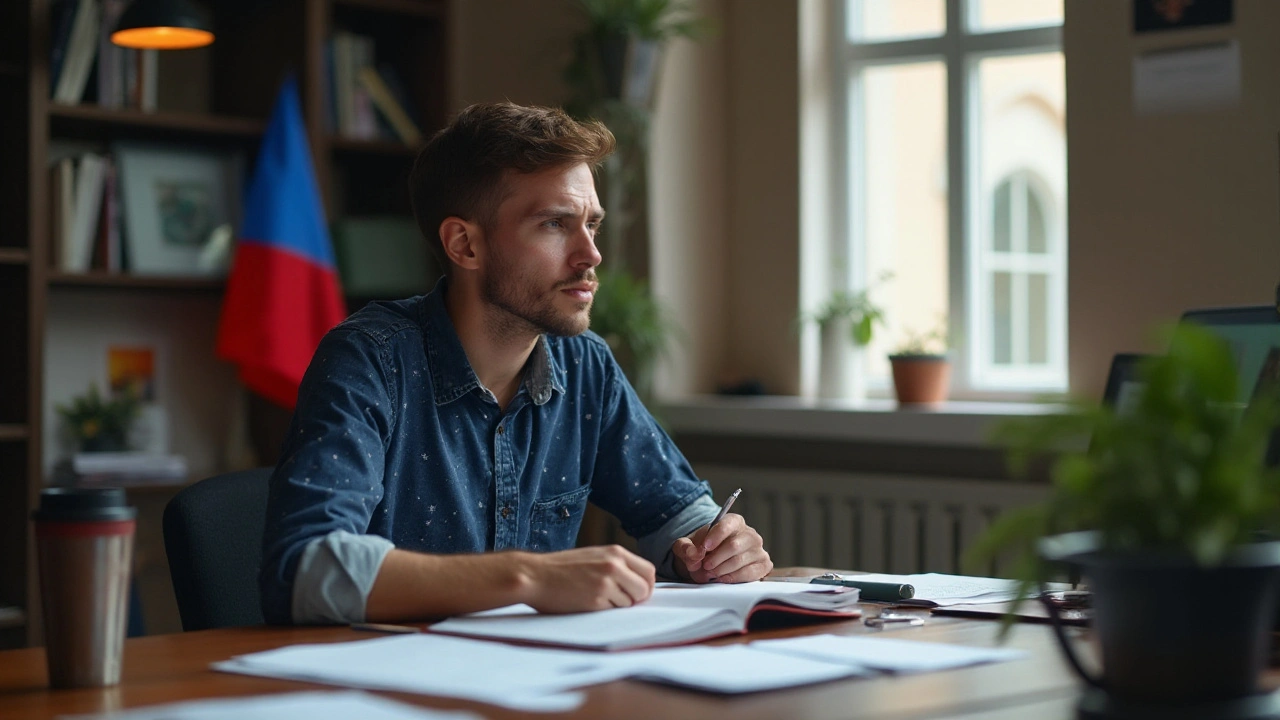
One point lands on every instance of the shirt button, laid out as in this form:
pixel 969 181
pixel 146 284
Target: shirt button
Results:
pixel 506 512
pixel 501 429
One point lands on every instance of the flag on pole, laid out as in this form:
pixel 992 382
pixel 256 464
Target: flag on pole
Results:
pixel 283 293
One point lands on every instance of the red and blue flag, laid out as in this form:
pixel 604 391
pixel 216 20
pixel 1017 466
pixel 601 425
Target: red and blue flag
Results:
pixel 283 292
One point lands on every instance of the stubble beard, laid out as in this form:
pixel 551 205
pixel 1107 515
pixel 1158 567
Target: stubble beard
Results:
pixel 526 307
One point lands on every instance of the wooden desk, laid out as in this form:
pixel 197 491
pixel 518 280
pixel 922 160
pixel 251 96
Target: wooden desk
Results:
pixel 167 668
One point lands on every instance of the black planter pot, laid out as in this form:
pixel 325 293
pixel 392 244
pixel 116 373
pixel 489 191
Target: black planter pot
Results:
pixel 1172 633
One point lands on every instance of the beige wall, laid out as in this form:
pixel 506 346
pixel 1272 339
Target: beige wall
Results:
pixel 1165 212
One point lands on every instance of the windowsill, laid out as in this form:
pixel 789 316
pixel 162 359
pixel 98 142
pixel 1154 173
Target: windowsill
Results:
pixel 954 424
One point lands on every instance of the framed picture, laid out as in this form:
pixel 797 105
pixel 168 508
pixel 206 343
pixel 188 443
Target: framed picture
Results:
pixel 172 202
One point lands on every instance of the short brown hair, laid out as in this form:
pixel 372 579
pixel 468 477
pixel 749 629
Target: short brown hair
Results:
pixel 459 172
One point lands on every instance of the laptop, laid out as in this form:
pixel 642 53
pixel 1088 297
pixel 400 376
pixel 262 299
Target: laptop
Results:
pixel 1253 333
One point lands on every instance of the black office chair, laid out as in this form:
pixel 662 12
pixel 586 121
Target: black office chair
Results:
pixel 213 538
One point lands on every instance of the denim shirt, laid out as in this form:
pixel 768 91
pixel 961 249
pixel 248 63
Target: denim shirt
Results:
pixel 395 436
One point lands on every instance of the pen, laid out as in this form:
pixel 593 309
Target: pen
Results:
pixel 724 509
pixel 872 591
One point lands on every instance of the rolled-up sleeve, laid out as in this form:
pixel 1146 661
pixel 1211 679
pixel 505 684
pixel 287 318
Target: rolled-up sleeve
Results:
pixel 329 477
pixel 334 577
pixel 656 546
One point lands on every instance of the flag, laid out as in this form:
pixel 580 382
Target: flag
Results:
pixel 283 293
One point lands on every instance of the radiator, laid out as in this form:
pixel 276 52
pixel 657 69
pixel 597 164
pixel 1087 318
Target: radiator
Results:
pixel 874 523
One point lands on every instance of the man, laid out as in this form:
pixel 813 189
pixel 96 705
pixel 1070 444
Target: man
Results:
pixel 483 416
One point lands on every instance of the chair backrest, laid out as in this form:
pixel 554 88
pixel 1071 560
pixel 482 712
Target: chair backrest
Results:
pixel 213 538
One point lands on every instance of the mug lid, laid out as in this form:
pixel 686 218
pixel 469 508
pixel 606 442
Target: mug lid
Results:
pixel 79 504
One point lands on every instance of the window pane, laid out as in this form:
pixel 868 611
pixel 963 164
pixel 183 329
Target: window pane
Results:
pixel 1037 231
pixel 881 20
pixel 1007 14
pixel 1000 220
pixel 1002 318
pixel 1037 318
pixel 1020 202
pixel 903 192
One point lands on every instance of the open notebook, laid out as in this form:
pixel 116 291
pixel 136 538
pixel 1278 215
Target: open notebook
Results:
pixel 674 615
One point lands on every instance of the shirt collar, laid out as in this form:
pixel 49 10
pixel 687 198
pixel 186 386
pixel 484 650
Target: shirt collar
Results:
pixel 451 372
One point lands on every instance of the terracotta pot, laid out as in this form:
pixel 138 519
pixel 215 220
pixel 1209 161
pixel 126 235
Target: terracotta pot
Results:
pixel 920 379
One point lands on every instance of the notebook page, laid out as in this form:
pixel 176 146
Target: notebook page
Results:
pixel 741 597
pixel 636 626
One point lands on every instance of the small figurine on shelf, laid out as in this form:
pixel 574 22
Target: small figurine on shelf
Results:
pixel 100 424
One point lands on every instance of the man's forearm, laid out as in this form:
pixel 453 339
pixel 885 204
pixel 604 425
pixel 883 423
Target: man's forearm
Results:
pixel 412 585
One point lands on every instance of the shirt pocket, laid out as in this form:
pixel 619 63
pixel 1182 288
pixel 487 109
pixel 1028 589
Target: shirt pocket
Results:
pixel 554 522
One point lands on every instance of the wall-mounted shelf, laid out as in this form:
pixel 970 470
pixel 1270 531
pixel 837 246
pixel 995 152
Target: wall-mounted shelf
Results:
pixel 13 431
pixel 135 282
pixel 93 120
pixel 14 256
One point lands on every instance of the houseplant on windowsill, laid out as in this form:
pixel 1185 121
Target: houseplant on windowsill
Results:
pixel 921 369
pixel 1169 516
pixel 846 320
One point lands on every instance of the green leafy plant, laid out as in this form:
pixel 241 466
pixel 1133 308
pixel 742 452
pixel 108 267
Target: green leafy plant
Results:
pixel 99 423
pixel 1182 470
pixel 633 322
pixel 611 78
pixel 856 307
pixel 931 342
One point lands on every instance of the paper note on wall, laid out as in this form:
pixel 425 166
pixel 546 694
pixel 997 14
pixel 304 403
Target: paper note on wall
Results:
pixel 1193 79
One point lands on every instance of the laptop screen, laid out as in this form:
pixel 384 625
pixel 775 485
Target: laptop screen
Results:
pixel 1254 336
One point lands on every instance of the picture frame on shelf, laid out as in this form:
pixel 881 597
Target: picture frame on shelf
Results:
pixel 174 199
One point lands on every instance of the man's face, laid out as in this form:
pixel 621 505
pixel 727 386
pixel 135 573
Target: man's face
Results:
pixel 541 252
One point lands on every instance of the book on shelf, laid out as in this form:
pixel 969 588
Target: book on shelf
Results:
pixel 675 614
pixel 78 239
pixel 78 54
pixel 387 104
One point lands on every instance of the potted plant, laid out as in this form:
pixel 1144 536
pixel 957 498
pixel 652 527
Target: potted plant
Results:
pixel 1169 516
pixel 921 369
pixel 99 424
pixel 611 76
pixel 845 321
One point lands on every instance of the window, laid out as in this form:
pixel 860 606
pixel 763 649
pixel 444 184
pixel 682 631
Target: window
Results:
pixel 953 168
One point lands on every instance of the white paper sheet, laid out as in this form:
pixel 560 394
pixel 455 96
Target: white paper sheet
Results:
pixel 1198 78
pixel 339 705
pixel 731 669
pixel 898 656
pixel 528 679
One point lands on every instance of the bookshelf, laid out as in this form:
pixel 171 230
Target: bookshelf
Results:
pixel 257 45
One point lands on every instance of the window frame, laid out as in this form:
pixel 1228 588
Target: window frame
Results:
pixel 961 48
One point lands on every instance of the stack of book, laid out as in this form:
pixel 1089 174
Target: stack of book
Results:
pixel 85 66
pixel 367 100
pixel 84 220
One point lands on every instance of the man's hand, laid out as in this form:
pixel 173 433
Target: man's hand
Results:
pixel 733 552
pixel 589 578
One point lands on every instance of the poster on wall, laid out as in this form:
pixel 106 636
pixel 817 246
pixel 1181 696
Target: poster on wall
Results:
pixel 1157 15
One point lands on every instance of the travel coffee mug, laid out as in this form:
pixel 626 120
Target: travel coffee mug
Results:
pixel 84 547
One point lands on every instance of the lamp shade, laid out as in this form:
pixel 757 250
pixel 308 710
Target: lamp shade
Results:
pixel 162 25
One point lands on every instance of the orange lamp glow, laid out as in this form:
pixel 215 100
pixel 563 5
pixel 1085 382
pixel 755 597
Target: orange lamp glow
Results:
pixel 163 25
pixel 162 38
